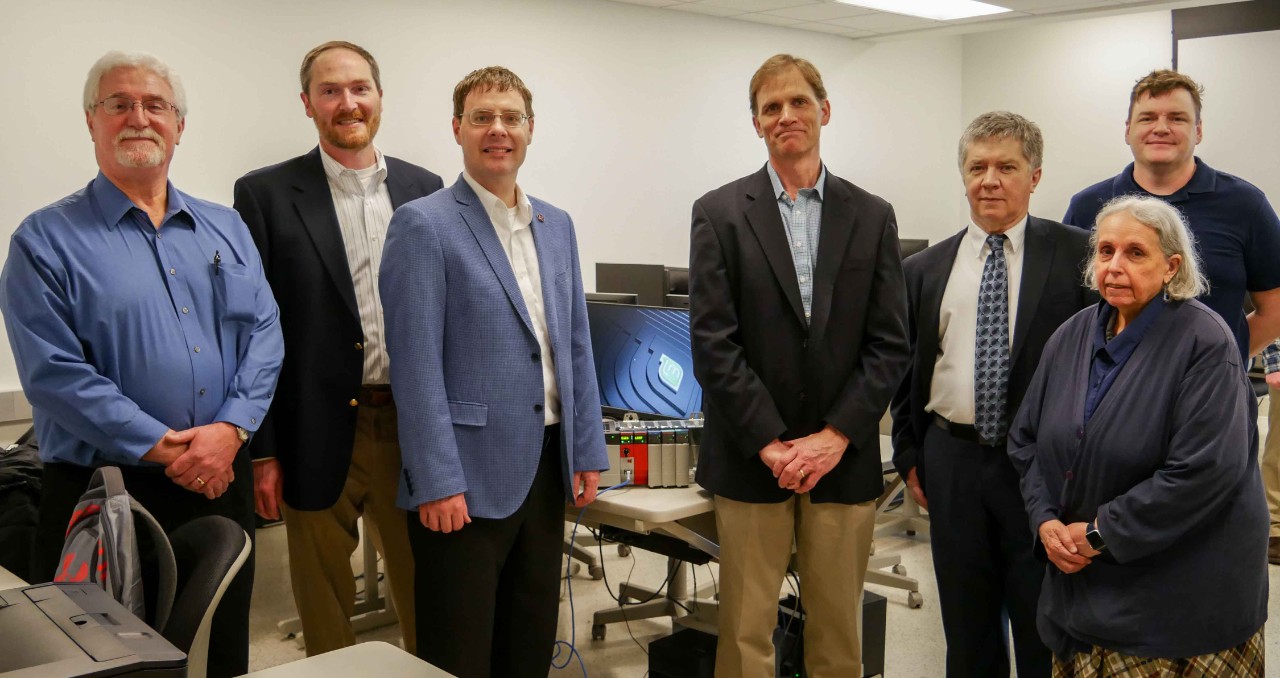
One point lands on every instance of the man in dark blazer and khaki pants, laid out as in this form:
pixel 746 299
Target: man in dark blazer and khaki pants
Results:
pixel 328 452
pixel 983 303
pixel 798 321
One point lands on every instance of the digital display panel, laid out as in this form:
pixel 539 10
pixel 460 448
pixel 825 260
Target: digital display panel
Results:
pixel 644 361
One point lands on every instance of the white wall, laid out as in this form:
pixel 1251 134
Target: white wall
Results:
pixel 1073 79
pixel 639 111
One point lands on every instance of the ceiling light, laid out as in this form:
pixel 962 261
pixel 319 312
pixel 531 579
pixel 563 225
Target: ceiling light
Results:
pixel 942 10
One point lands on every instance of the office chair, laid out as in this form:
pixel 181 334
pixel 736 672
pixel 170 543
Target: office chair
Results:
pixel 209 552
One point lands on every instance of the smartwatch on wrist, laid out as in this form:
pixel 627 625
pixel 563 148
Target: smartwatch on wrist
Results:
pixel 1094 537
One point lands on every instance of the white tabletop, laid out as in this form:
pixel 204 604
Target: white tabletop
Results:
pixel 9 580
pixel 362 659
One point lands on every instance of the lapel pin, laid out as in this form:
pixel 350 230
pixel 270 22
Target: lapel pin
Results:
pixel 541 218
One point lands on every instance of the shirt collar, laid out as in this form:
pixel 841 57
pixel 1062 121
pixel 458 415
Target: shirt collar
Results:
pixel 781 193
pixel 497 209
pixel 113 204
pixel 975 238
pixel 1122 346
pixel 335 170
pixel 1204 180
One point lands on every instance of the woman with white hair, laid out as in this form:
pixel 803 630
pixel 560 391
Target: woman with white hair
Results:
pixel 1137 447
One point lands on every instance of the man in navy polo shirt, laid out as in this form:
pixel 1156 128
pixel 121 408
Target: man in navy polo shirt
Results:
pixel 1237 232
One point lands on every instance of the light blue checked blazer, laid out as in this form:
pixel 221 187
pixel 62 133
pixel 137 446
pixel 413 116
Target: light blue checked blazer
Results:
pixel 465 368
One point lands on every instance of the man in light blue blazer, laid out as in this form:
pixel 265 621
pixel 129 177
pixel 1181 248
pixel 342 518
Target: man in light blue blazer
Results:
pixel 493 377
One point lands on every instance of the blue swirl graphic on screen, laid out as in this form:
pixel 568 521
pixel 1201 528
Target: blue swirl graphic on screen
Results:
pixel 644 361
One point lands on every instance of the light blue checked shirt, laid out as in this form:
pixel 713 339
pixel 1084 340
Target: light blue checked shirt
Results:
pixel 802 218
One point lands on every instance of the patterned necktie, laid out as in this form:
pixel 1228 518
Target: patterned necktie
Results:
pixel 991 347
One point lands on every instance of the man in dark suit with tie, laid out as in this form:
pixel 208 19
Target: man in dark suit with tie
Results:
pixel 983 303
pixel 798 322
pixel 328 451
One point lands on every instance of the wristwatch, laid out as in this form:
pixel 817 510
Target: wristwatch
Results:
pixel 242 434
pixel 1095 538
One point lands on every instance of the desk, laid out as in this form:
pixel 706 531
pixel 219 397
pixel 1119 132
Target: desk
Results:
pixel 382 659
pixel 9 580
pixel 684 513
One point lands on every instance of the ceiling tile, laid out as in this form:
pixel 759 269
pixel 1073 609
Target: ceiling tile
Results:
pixel 820 12
pixel 1042 6
pixel 884 22
pixel 833 30
pixel 699 8
pixel 768 19
pixel 651 3
pixel 756 5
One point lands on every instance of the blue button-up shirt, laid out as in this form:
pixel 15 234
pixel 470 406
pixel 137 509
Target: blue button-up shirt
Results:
pixel 1109 356
pixel 122 331
pixel 802 218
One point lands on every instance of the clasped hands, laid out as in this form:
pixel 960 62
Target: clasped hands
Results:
pixel 1066 545
pixel 799 464
pixel 199 458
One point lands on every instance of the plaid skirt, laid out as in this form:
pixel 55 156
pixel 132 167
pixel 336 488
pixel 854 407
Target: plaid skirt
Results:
pixel 1242 661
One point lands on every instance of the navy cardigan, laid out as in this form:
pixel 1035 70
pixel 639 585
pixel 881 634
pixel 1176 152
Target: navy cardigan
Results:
pixel 1168 465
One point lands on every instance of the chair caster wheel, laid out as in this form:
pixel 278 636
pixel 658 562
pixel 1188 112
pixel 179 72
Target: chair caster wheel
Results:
pixel 596 572
pixel 597 632
pixel 623 550
pixel 899 569
pixel 915 600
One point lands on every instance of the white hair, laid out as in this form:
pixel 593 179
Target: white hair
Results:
pixel 116 59
pixel 1171 232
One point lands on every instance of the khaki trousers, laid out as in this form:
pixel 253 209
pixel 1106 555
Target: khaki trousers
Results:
pixel 833 542
pixel 321 542
pixel 1271 461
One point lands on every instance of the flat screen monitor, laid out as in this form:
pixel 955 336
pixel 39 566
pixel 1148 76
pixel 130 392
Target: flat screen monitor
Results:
pixel 644 361
pixel 614 297
pixel 910 246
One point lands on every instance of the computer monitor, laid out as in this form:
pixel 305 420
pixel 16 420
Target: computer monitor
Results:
pixel 910 246
pixel 614 297
pixel 644 360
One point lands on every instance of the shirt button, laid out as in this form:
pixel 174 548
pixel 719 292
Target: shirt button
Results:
pixel 359 346
pixel 197 349
pixel 354 402
pixel 537 408
pixel 184 309
pixel 252 420
pixel 535 357
pixel 173 271
pixel 201 391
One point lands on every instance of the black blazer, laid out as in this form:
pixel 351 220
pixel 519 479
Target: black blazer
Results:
pixel 767 374
pixel 310 427
pixel 1051 291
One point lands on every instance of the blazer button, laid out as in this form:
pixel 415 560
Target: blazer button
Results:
pixel 536 357
pixel 359 346
pixel 354 402
pixel 537 408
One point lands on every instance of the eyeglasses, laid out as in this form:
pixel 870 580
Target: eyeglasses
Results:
pixel 155 108
pixel 483 118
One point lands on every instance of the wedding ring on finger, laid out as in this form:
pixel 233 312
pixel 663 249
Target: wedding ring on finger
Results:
pixel 200 480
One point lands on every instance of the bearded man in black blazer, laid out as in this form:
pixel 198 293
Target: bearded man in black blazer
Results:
pixel 328 452
pixel 983 303
pixel 798 320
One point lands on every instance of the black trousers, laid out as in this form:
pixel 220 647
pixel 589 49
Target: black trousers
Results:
pixel 172 507
pixel 488 595
pixel 983 559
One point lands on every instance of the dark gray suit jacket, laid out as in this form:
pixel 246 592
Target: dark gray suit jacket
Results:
pixel 310 427
pixel 764 371
pixel 1050 292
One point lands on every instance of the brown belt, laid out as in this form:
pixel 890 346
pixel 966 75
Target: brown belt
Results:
pixel 376 395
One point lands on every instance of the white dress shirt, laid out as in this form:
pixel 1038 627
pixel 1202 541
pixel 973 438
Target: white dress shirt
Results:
pixel 514 229
pixel 951 391
pixel 363 206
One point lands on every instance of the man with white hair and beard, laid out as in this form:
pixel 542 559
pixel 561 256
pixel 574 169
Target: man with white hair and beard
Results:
pixel 145 334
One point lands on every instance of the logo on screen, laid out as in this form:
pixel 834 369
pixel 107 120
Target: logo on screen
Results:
pixel 670 372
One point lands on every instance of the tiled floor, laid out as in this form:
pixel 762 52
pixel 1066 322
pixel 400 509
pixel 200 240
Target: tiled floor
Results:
pixel 914 646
